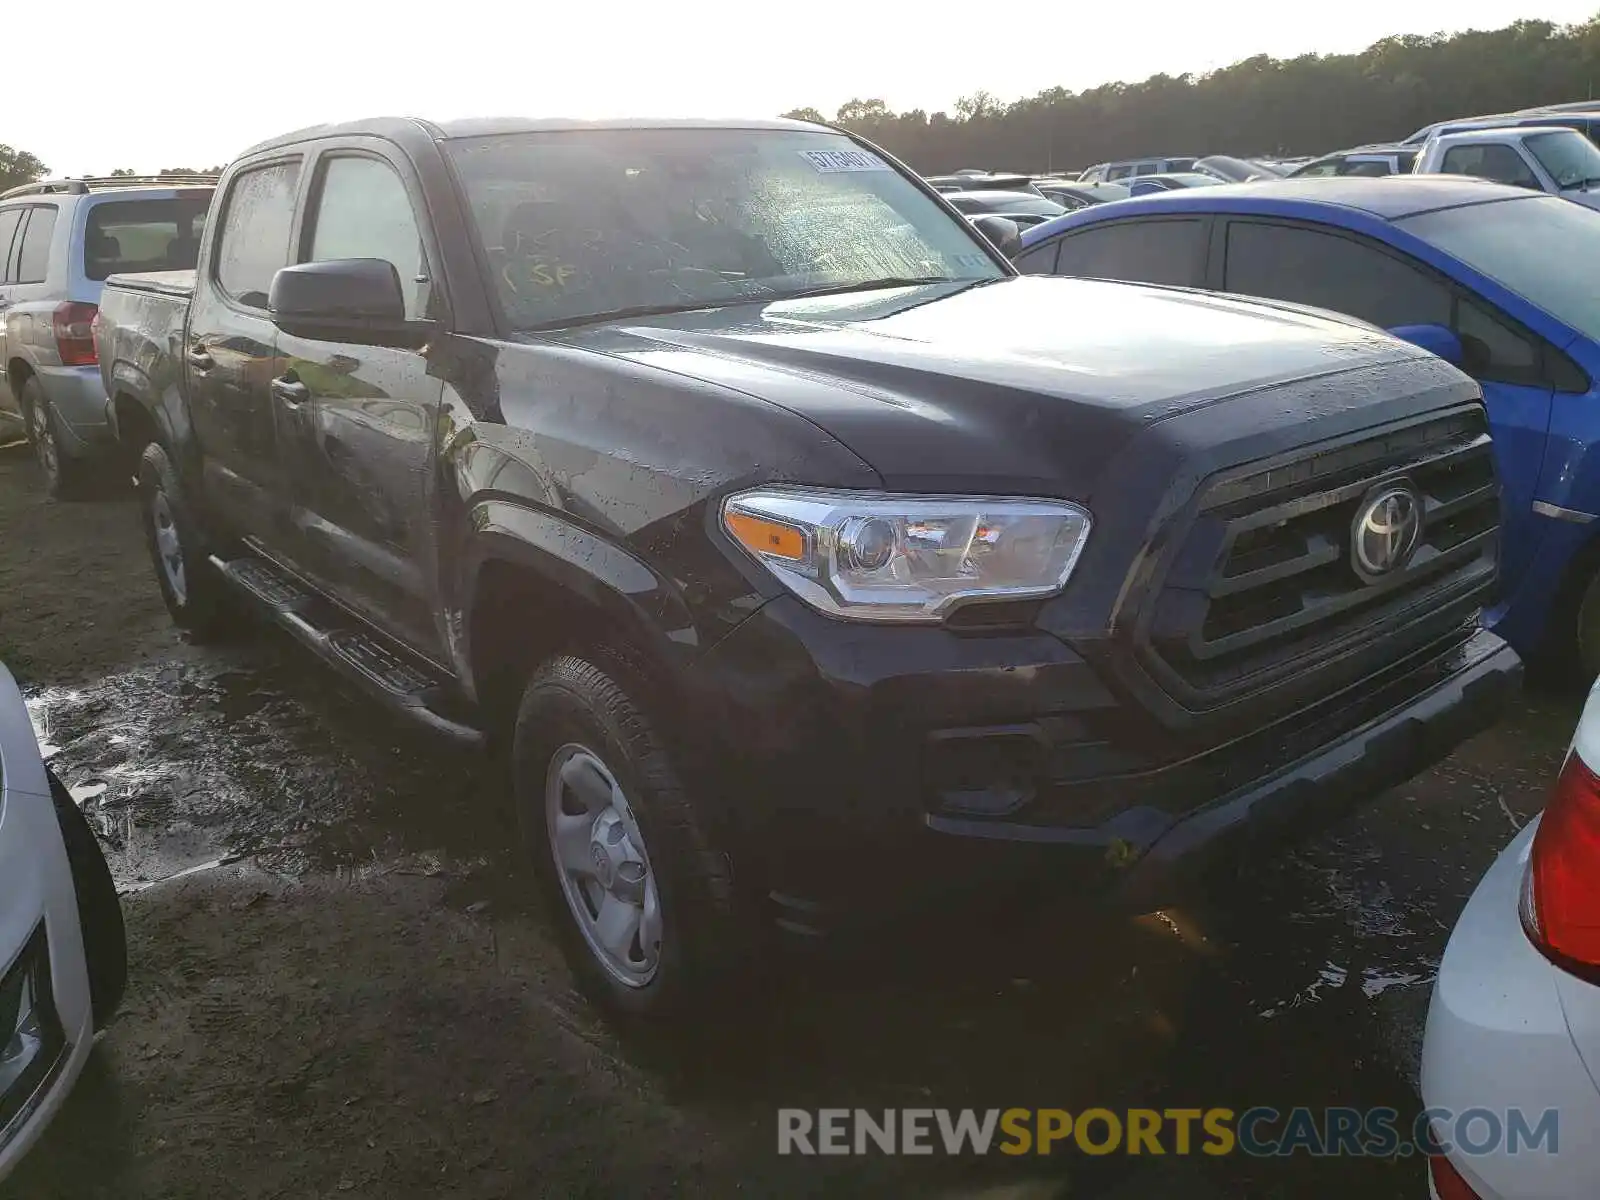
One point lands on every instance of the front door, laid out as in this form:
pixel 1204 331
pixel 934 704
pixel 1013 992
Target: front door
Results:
pixel 356 422
pixel 229 354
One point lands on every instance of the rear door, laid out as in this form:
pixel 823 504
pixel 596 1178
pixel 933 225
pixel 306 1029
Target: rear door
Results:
pixel 230 347
pixel 355 421
pixel 1359 276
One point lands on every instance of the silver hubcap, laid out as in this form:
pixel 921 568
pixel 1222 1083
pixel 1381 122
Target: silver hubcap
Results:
pixel 604 869
pixel 44 439
pixel 169 551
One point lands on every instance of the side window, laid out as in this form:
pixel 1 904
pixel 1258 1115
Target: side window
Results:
pixel 1147 168
pixel 1494 161
pixel 1040 260
pixel 1121 171
pixel 363 211
pixel 1319 170
pixel 1164 251
pixel 33 256
pixel 254 242
pixel 1492 350
pixel 9 219
pixel 1345 274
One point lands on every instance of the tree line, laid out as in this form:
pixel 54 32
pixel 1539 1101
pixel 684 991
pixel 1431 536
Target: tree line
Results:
pixel 1261 106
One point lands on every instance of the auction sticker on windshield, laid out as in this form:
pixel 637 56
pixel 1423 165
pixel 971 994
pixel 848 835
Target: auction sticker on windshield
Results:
pixel 829 162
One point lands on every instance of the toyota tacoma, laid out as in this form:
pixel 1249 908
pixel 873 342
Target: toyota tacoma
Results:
pixel 805 560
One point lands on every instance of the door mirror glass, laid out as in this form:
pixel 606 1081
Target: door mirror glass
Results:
pixel 1435 339
pixel 356 300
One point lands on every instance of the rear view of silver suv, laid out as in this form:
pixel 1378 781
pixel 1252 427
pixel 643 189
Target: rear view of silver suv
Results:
pixel 59 240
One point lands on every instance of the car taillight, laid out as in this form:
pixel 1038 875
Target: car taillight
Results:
pixel 73 324
pixel 1560 903
pixel 1447 1180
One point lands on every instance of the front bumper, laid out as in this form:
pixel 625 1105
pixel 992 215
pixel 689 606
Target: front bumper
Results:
pixel 868 769
pixel 1498 1039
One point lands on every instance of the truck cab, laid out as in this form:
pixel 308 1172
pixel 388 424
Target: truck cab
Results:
pixel 1545 158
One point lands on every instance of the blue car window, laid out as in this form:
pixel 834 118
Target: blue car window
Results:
pixel 1040 260
pixel 1154 251
pixel 1305 266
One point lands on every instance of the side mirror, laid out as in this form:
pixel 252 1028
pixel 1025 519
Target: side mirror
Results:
pixel 355 300
pixel 1002 231
pixel 1435 339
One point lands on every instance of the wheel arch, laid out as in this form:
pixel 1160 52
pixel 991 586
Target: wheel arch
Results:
pixel 535 584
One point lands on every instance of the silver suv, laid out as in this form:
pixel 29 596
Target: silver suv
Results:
pixel 58 242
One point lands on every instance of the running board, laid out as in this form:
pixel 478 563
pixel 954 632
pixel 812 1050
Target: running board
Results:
pixel 410 688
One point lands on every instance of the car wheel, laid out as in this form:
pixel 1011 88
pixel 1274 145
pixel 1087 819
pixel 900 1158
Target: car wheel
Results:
pixel 640 900
pixel 105 940
pixel 63 475
pixel 196 596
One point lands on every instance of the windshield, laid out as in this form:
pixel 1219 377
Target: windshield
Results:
pixel 583 224
pixel 1569 157
pixel 1515 242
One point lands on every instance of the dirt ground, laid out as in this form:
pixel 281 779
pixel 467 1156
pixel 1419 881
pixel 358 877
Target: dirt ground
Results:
pixel 339 987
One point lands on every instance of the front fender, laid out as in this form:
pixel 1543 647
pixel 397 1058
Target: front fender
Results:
pixel 648 609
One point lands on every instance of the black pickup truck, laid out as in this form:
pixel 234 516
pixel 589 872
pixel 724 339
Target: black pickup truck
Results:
pixel 806 559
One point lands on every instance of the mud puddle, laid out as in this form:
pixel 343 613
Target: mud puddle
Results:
pixel 252 754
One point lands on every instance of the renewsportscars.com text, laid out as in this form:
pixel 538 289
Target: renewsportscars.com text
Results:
pixel 1259 1131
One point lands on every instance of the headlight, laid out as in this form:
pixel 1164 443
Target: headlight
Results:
pixel 869 556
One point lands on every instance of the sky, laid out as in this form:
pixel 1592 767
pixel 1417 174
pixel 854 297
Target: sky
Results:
pixel 186 83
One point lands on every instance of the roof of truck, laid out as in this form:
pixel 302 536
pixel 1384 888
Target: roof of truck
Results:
pixel 398 127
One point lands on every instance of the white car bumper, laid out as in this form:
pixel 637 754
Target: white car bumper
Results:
pixel 1498 1038
pixel 40 938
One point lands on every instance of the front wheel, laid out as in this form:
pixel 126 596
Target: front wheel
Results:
pixel 640 900
pixel 196 595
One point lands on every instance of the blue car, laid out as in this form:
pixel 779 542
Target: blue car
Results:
pixel 1503 282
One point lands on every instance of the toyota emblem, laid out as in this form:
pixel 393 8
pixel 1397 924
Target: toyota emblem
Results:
pixel 1386 530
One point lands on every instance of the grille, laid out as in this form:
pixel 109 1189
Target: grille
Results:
pixel 1263 584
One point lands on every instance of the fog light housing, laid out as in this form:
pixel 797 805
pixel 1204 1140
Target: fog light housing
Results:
pixel 31 1038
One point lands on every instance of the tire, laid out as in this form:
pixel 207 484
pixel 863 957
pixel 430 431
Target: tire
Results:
pixel 196 596
pixel 64 478
pixel 574 716
pixel 105 940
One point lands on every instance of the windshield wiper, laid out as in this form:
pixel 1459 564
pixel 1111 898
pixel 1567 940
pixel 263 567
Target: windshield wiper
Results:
pixel 867 285
pixel 636 310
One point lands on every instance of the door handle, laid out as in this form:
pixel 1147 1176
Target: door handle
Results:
pixel 291 391
pixel 199 359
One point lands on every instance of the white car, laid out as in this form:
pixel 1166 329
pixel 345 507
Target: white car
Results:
pixel 1544 158
pixel 1514 1026
pixel 63 957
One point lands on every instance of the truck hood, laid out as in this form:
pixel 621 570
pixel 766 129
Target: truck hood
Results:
pixel 1030 383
